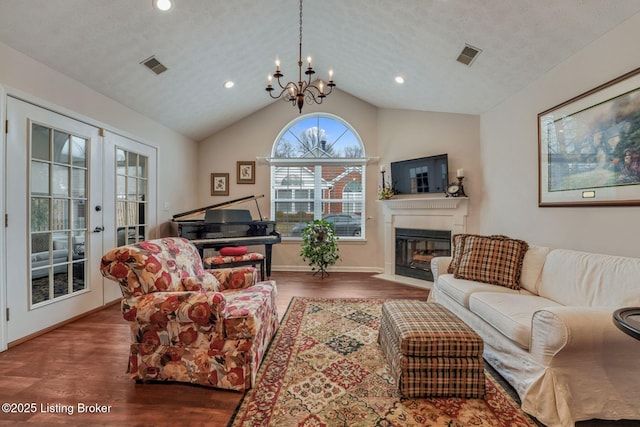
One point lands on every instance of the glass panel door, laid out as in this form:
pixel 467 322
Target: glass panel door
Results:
pixel 54 238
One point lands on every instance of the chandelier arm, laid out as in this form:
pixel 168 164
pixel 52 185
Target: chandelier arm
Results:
pixel 282 92
pixel 286 86
pixel 311 98
pixel 323 91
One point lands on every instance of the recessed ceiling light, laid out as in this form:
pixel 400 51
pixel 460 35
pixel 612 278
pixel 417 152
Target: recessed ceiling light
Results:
pixel 399 80
pixel 228 84
pixel 162 5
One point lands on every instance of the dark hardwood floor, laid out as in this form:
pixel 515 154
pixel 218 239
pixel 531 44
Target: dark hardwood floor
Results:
pixel 84 362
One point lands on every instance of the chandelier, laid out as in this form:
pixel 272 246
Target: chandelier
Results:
pixel 303 90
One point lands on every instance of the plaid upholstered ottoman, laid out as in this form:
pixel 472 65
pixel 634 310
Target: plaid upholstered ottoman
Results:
pixel 431 352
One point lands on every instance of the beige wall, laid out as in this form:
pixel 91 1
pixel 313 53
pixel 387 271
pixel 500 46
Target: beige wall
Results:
pixel 176 153
pixel 509 156
pixel 389 134
pixel 405 134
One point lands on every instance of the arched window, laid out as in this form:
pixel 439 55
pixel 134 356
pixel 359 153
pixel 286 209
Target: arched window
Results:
pixel 317 171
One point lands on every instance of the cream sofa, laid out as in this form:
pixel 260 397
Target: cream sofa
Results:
pixel 554 339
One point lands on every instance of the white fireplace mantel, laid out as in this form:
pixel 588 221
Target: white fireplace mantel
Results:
pixel 427 213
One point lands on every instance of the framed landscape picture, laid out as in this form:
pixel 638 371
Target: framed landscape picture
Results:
pixel 246 173
pixel 219 184
pixel 589 147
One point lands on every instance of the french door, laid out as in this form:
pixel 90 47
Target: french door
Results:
pixel 130 195
pixel 55 218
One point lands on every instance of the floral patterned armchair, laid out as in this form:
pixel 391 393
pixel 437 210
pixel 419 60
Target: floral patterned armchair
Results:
pixel 188 324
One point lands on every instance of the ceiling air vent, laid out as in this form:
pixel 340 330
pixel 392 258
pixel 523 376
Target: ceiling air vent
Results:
pixel 468 54
pixel 154 65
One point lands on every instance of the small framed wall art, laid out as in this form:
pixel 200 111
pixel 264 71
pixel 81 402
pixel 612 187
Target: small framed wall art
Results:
pixel 246 172
pixel 219 184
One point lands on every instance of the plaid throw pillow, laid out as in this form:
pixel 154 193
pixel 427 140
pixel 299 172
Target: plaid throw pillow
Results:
pixel 492 259
pixel 456 252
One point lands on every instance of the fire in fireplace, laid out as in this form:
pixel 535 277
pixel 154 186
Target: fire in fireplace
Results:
pixel 415 249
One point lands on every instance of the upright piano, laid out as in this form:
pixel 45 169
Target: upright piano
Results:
pixel 222 227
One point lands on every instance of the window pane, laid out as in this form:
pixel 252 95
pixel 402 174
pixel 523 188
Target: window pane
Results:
pixel 79 214
pixel 142 189
pixel 121 208
pixel 345 224
pixel 40 285
pixel 39 178
pixel 40 245
pixel 78 240
pixel 132 213
pixel 61 247
pixel 121 187
pixel 121 236
pixel 142 167
pixel 78 182
pixel 79 151
pixel 40 214
pixel 132 188
pixel 121 161
pixel 132 164
pixel 60 214
pixel 61 148
pixel 60 280
pixel 78 269
pixel 290 222
pixel 40 148
pixel 131 235
pixel 60 181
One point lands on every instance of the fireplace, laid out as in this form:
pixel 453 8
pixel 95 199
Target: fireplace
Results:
pixel 416 247
pixel 419 213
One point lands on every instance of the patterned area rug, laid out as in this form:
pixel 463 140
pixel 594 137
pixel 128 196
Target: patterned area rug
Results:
pixel 325 368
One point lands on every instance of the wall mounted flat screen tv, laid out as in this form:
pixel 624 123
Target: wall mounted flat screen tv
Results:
pixel 423 175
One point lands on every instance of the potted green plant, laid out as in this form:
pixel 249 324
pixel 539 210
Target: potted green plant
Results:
pixel 319 246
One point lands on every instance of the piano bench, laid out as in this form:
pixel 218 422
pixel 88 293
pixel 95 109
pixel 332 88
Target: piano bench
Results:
pixel 220 261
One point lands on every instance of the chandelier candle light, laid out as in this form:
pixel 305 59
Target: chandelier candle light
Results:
pixel 303 90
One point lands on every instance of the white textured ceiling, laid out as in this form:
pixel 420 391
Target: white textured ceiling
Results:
pixel 367 43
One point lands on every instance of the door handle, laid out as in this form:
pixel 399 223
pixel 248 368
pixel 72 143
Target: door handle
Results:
pixel 98 229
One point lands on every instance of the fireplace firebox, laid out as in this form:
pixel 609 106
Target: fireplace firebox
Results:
pixel 415 249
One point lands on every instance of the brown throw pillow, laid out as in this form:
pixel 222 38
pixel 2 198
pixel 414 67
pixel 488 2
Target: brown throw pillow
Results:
pixel 492 259
pixel 456 252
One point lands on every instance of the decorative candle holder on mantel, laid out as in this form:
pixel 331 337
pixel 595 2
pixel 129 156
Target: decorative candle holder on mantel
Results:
pixel 461 193
pixel 386 191
pixel 460 176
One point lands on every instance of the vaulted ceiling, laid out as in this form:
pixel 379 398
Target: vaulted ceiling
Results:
pixel 204 43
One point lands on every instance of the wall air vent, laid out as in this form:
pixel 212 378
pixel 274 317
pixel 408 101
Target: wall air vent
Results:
pixel 468 54
pixel 154 65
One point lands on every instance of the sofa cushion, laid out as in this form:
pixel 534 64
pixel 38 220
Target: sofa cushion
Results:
pixel 532 268
pixel 579 278
pixel 492 259
pixel 509 313
pixel 233 251
pixel 456 252
pixel 460 290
